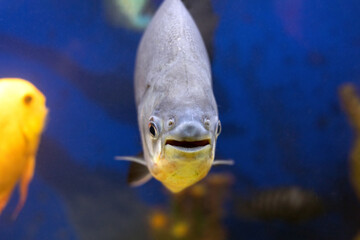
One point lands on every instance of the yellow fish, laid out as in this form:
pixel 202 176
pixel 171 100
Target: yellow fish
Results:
pixel 22 119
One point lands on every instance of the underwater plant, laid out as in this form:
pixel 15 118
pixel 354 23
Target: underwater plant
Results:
pixel 195 213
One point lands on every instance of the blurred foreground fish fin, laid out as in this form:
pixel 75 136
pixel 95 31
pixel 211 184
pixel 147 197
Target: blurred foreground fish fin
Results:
pixel 229 162
pixel 138 175
pixel 4 198
pixel 136 159
pixel 24 185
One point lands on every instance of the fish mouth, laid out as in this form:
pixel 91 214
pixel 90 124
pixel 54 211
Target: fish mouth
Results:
pixel 188 146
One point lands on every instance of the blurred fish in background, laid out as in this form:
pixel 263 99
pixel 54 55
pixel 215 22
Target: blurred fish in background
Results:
pixel 134 14
pixel 290 204
pixel 22 119
pixel 195 213
pixel 351 105
pixel 350 101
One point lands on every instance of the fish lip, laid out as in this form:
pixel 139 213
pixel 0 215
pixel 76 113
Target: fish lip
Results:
pixel 188 145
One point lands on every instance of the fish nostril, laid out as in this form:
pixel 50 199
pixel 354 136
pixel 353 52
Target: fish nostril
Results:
pixel 171 123
pixel 207 123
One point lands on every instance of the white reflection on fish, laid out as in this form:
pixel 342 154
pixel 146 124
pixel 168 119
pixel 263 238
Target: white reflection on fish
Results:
pixel 177 111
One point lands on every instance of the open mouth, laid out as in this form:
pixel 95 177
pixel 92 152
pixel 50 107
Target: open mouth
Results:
pixel 188 145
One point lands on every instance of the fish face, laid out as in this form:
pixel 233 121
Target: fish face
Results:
pixel 183 147
pixel 35 111
pixel 24 103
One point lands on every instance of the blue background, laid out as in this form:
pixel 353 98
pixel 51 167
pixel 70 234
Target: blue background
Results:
pixel 277 67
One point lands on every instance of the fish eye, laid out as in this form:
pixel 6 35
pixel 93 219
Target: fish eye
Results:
pixel 218 128
pixel 28 98
pixel 153 129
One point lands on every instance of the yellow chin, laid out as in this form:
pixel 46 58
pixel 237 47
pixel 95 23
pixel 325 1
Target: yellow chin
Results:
pixel 179 168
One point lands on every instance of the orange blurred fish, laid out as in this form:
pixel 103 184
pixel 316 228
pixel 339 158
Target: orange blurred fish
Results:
pixel 22 119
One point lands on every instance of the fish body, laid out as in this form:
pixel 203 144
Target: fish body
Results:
pixel 205 18
pixel 177 112
pixel 22 118
pixel 291 204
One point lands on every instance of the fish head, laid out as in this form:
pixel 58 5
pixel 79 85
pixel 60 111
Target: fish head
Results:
pixel 181 140
pixel 24 103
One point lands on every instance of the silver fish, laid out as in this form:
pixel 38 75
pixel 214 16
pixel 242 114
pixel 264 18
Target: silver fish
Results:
pixel 177 111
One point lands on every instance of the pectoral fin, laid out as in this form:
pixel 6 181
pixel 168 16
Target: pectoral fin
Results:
pixel 24 184
pixel 138 172
pixel 137 159
pixel 223 162
pixel 138 175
